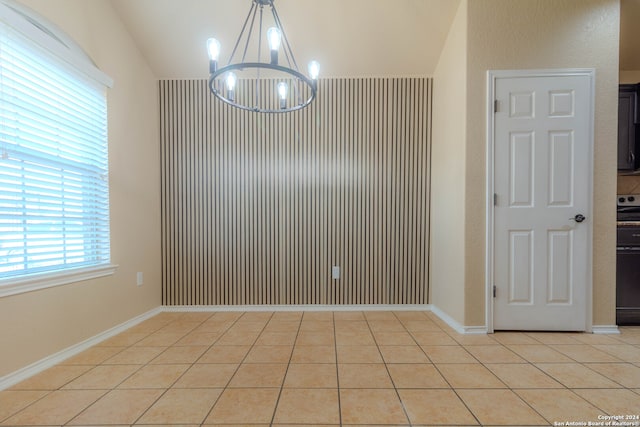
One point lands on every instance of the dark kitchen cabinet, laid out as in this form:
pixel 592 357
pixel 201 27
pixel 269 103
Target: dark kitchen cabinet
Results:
pixel 628 129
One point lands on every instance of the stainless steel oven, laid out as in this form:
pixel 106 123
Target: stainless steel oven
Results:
pixel 628 261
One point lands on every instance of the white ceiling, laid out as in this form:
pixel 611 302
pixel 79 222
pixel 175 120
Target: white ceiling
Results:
pixel 350 38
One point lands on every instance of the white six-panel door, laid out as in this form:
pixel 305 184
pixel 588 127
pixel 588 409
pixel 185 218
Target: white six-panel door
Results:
pixel 542 153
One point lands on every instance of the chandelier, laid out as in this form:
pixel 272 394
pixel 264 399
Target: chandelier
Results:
pixel 272 84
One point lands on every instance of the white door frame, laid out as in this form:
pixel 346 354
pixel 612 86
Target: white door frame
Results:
pixel 492 77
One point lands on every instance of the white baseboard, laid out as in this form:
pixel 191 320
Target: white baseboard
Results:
pixel 473 330
pixel 52 360
pixel 605 329
pixel 461 329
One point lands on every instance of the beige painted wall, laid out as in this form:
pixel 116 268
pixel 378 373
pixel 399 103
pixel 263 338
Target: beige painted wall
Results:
pixel 527 34
pixel 37 324
pixel 629 76
pixel 447 256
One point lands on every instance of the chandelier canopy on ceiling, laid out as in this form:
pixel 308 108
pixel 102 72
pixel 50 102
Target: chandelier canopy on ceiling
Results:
pixel 272 84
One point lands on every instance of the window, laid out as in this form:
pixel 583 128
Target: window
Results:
pixel 54 194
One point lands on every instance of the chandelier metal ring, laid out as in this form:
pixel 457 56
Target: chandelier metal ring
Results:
pixel 218 91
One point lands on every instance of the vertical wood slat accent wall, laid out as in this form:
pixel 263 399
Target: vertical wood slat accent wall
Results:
pixel 257 208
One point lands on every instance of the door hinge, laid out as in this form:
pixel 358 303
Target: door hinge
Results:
pixel 494 291
pixel 495 105
pixel 495 199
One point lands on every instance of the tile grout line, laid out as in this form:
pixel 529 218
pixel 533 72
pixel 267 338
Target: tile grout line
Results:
pixel 526 402
pixel 335 346
pixel 177 379
pixel 239 364
pixel 115 387
pixel 284 378
pixel 152 359
pixel 404 408
pixel 389 372
pixel 444 377
pixel 566 387
pixel 527 362
pixel 192 364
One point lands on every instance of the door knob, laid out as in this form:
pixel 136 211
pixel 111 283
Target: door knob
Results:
pixel 578 218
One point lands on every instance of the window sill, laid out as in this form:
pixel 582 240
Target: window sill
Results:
pixel 14 286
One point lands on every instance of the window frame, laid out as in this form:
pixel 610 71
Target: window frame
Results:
pixel 45 34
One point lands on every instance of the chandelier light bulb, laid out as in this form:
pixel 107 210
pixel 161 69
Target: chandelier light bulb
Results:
pixel 274 37
pixel 283 88
pixel 314 70
pixel 231 81
pixel 231 85
pixel 213 48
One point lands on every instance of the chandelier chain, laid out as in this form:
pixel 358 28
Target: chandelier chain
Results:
pixel 259 56
pixel 287 47
pixel 244 27
pixel 288 52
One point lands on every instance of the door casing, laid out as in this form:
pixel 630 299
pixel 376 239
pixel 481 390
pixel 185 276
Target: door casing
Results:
pixel 492 77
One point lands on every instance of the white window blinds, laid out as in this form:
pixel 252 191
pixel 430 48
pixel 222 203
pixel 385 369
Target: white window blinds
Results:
pixel 54 196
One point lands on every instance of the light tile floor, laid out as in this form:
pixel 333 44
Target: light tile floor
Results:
pixel 331 369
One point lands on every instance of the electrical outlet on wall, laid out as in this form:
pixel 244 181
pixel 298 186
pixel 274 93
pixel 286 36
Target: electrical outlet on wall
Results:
pixel 139 278
pixel 335 272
